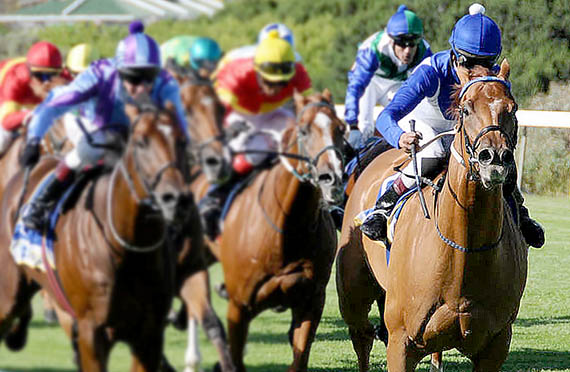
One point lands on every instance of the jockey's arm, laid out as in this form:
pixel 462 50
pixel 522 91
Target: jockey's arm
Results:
pixel 359 77
pixel 171 92
pixel 424 82
pixel 12 111
pixel 62 100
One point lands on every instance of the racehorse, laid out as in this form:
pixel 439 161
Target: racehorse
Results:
pixel 114 265
pixel 435 293
pixel 278 242
pixel 205 113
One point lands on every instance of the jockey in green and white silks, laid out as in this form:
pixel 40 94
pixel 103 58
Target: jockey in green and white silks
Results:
pixel 426 97
pixel 383 62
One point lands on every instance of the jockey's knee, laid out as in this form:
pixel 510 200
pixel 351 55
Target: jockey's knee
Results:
pixel 242 165
pixel 6 138
pixel 431 167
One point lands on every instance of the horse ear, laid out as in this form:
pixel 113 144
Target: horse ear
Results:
pixel 462 74
pixel 327 95
pixel 505 70
pixel 299 100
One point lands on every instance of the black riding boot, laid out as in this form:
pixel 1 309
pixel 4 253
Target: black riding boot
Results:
pixel 210 208
pixel 37 213
pixel 374 226
pixel 532 231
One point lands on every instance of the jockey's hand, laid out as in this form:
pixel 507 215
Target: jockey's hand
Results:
pixel 31 153
pixel 408 139
pixel 355 138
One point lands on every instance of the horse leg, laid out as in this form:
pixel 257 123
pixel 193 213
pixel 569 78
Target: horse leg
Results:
pixel 304 323
pixel 436 364
pixel 147 352
pixel 357 291
pixel 238 325
pixel 18 335
pixel 399 356
pixel 93 347
pixel 492 357
pixel 196 295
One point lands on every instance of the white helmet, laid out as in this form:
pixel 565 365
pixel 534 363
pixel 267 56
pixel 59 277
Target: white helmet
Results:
pixel 285 33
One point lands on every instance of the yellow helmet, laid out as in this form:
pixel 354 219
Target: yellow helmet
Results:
pixel 274 58
pixel 80 56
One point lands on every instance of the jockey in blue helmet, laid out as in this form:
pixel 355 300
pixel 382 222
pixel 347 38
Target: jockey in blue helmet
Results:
pixel 426 97
pixel 383 62
pixel 205 53
pixel 101 92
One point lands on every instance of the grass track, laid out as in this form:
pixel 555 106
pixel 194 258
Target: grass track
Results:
pixel 541 339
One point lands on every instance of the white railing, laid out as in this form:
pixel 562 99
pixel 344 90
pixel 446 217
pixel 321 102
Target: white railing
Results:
pixel 526 118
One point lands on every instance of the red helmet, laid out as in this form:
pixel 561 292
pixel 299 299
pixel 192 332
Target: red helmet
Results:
pixel 44 56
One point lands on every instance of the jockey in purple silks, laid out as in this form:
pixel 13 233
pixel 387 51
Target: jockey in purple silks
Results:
pixel 101 92
pixel 426 97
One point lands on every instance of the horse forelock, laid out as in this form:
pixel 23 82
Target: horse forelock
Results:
pixel 473 73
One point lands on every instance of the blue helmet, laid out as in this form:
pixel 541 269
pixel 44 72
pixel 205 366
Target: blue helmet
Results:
pixel 285 33
pixel 404 23
pixel 476 34
pixel 204 52
pixel 137 50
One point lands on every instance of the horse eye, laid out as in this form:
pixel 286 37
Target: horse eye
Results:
pixel 142 143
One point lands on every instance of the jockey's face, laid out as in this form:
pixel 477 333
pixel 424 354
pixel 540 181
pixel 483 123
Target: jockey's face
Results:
pixel 270 88
pixel 134 90
pixel 43 82
pixel 138 80
pixel 405 53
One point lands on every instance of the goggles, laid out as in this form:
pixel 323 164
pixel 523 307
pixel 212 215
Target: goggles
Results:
pixel 273 68
pixel 139 75
pixel 407 41
pixel 44 76
pixel 207 64
pixel 469 61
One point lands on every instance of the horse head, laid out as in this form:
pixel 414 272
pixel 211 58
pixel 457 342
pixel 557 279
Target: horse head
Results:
pixel 487 124
pixel 319 134
pixel 150 157
pixel 205 115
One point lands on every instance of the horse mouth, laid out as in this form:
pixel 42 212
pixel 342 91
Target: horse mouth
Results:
pixel 493 176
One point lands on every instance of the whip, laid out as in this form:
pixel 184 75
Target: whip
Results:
pixel 417 176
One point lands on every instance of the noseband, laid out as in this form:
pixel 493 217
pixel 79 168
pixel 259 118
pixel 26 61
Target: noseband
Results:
pixel 471 149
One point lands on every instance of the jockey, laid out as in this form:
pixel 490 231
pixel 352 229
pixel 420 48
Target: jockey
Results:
pixel 255 91
pixel 475 40
pixel 80 57
pixel 383 62
pixel 102 91
pixel 196 55
pixel 24 83
pixel 284 32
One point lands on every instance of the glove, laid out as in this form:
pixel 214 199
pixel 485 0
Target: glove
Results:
pixel 235 128
pixel 31 153
pixel 355 138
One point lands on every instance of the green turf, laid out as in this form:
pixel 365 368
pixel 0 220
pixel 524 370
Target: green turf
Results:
pixel 541 340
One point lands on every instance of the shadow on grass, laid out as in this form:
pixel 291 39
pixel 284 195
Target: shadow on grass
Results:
pixel 531 322
pixel 41 324
pixel 35 369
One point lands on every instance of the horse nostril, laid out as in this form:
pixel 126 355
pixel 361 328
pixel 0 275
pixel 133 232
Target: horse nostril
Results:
pixel 212 161
pixel 169 198
pixel 486 156
pixel 326 178
pixel 507 157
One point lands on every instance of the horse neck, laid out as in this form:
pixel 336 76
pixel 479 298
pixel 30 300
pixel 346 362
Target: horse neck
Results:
pixel 298 201
pixel 129 218
pixel 468 214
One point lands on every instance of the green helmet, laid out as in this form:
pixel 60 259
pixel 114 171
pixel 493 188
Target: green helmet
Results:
pixel 177 49
pixel 205 53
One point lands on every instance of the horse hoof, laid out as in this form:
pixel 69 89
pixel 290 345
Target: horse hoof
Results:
pixel 16 340
pixel 50 316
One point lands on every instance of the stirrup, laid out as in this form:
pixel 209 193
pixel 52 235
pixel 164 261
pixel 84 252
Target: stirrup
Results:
pixel 35 216
pixel 374 226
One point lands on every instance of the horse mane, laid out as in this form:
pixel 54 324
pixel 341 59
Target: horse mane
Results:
pixel 473 73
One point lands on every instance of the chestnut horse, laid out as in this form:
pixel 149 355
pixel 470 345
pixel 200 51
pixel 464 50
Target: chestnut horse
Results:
pixel 278 242
pixel 204 114
pixel 112 258
pixel 436 286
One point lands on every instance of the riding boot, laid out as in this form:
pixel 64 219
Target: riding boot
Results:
pixel 210 208
pixel 532 231
pixel 37 213
pixel 375 225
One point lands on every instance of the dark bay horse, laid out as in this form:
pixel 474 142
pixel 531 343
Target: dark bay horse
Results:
pixel 112 260
pixel 455 280
pixel 278 242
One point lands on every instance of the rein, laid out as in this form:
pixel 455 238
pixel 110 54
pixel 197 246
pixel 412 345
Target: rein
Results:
pixel 470 149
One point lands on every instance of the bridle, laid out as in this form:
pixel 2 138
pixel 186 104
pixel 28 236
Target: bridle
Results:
pixel 471 149
pixel 149 200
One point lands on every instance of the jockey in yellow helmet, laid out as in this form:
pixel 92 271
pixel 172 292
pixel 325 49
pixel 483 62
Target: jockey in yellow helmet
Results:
pixel 80 57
